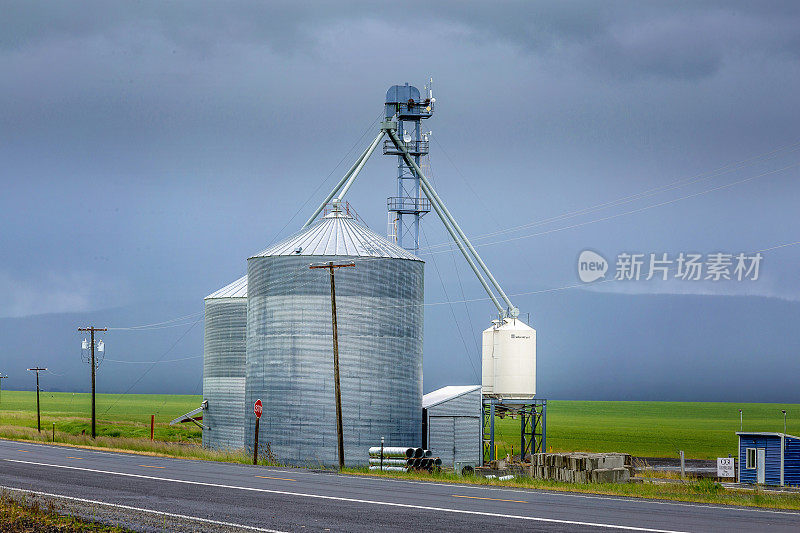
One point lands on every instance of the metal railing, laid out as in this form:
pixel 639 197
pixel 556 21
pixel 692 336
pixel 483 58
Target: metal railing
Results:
pixel 415 110
pixel 413 147
pixel 345 208
pixel 401 204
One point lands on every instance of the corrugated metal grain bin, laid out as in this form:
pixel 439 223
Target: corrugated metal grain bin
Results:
pixel 224 366
pixel 452 424
pixel 289 344
pixel 769 458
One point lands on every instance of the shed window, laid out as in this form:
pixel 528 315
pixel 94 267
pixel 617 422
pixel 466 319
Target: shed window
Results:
pixel 751 458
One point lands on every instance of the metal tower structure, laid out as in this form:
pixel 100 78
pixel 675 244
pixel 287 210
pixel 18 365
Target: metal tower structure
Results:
pixel 404 109
pixel 405 105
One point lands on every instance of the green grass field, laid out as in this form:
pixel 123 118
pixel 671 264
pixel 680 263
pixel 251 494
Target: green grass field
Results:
pixel 117 416
pixel 649 429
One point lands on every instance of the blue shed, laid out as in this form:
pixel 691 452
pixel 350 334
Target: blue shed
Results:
pixel 769 458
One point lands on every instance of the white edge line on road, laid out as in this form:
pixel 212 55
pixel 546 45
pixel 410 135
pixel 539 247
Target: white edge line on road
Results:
pixel 128 507
pixel 551 493
pixel 134 455
pixel 353 500
pixel 554 493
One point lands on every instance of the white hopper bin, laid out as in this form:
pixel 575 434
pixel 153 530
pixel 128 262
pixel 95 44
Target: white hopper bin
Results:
pixel 509 360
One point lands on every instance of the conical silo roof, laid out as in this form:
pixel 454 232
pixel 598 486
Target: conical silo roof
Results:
pixel 237 289
pixel 338 234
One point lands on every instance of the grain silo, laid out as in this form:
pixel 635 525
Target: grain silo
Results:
pixel 224 366
pixel 289 344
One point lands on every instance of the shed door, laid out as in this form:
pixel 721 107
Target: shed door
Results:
pixel 468 439
pixel 442 438
pixel 761 463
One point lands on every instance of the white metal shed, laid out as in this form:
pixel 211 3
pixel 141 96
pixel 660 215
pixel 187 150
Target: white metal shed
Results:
pixel 452 425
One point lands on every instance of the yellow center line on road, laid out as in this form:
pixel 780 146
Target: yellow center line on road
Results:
pixel 151 466
pixel 280 478
pixel 481 498
pixel 68 457
pixel 24 451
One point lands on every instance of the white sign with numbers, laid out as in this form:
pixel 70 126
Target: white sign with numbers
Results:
pixel 726 467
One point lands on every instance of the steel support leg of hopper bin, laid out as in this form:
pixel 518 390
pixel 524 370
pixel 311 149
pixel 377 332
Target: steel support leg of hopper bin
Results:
pixel 533 424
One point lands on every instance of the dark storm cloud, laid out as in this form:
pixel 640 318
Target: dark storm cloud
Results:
pixel 149 147
pixel 686 40
pixel 679 40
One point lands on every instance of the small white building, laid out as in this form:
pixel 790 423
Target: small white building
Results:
pixel 452 425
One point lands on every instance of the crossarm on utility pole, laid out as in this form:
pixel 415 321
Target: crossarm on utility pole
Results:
pixel 349 176
pixel 92 329
pixel 430 192
pixel 38 410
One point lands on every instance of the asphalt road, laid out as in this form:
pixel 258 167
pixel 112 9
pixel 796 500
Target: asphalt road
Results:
pixel 244 497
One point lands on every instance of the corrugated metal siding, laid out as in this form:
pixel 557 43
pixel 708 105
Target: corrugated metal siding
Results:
pixel 791 462
pixel 290 362
pixel 772 476
pixel 772 445
pixel 454 429
pixel 443 432
pixel 224 372
pixel 468 439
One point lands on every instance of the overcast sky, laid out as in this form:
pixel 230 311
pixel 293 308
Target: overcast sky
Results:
pixel 148 148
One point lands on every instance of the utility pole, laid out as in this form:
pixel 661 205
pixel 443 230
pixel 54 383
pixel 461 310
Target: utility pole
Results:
pixel 339 431
pixel 38 411
pixel 94 369
pixel 2 377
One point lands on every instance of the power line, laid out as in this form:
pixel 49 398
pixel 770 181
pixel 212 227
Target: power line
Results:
pixel 466 307
pixel 543 291
pixel 144 326
pixel 119 397
pixel 633 211
pixel 452 312
pixel 154 362
pixel 324 181
pixel 638 196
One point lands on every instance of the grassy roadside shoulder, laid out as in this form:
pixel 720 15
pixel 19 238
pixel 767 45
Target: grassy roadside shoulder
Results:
pixel 128 445
pixel 18 515
pixel 702 491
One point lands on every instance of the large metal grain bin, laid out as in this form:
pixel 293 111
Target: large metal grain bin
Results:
pixel 224 366
pixel 289 344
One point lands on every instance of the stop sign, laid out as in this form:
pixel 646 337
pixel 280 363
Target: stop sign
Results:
pixel 258 409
